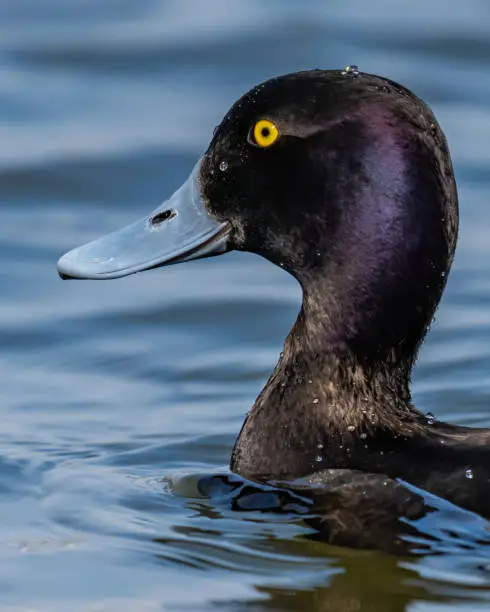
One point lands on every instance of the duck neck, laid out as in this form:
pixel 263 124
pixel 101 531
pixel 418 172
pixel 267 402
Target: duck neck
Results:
pixel 339 382
pixel 332 361
pixel 324 395
pixel 353 326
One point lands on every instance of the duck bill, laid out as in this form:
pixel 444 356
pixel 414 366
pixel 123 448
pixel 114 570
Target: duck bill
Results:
pixel 179 230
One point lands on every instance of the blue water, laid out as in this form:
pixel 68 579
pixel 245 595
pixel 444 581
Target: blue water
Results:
pixel 117 395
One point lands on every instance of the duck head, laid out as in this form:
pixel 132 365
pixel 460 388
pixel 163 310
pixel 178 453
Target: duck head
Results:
pixel 342 179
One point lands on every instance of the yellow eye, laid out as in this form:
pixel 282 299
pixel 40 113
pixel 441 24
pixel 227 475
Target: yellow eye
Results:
pixel 265 133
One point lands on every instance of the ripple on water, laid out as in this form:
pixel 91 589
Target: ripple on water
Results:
pixel 118 399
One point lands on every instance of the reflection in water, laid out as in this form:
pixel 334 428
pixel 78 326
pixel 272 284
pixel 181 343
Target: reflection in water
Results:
pixel 269 531
pixel 347 581
pixel 349 508
pixel 107 388
pixel 356 584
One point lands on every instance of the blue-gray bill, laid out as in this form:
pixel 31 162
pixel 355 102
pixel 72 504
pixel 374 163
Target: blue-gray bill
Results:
pixel 179 230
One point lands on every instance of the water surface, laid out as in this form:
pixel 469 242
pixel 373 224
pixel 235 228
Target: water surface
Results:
pixel 116 395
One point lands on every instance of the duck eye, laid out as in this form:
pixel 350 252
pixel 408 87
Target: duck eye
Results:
pixel 265 133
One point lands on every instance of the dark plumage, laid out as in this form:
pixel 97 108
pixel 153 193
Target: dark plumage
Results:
pixel 357 200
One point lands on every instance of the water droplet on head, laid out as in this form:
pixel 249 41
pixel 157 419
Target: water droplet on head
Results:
pixel 350 427
pixel 351 70
pixel 316 400
pixel 431 419
pixel 468 474
pixel 223 166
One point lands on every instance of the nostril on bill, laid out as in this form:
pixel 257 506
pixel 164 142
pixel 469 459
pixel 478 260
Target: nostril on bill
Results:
pixel 162 216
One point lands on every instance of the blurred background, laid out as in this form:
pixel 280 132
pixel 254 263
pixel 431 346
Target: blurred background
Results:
pixel 117 395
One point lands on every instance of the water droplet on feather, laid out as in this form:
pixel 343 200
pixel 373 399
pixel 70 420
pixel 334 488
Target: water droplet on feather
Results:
pixel 351 70
pixel 431 419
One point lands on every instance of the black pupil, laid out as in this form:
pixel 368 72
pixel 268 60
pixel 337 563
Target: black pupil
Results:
pixel 265 132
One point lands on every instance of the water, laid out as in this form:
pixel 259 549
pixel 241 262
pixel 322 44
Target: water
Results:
pixel 116 396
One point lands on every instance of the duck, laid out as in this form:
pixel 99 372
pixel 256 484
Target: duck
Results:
pixel 344 179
